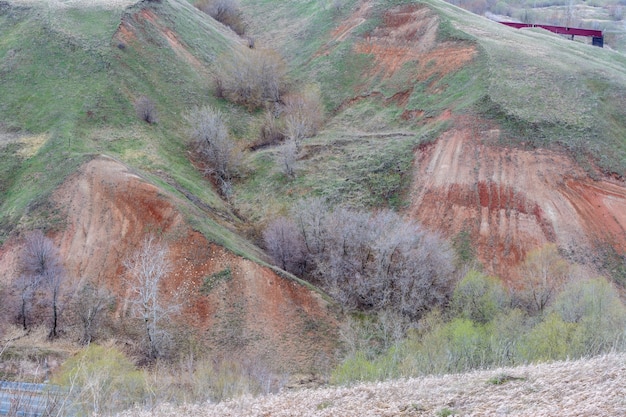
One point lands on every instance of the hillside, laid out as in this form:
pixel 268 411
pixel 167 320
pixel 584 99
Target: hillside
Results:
pixel 79 164
pixel 515 138
pixel 591 387
pixel 496 141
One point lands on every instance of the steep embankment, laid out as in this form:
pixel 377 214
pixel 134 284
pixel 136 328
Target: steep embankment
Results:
pixel 593 387
pixel 511 200
pixel 253 312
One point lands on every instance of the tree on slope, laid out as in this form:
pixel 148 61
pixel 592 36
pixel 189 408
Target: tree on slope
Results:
pixel 40 269
pixel 147 268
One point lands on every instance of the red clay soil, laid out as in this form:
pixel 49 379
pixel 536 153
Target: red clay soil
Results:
pixel 406 40
pixel 409 35
pixel 127 33
pixel 512 200
pixel 255 314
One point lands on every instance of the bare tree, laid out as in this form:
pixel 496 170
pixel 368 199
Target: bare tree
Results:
pixel 303 114
pixel 40 268
pixel 146 269
pixel 89 307
pixel 311 215
pixel 544 273
pixel 209 136
pixel 284 244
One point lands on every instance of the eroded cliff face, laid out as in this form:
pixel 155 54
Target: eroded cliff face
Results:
pixel 252 314
pixel 512 200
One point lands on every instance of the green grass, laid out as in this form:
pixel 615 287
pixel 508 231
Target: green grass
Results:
pixel 63 75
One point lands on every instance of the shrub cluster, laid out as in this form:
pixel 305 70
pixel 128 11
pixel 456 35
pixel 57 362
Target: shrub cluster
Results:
pixel 251 77
pixel 101 380
pixel 365 261
pixel 226 12
pixel 485 329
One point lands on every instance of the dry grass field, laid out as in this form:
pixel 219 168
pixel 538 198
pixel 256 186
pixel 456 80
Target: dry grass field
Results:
pixel 592 387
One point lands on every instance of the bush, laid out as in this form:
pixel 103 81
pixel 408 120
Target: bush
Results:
pixel 101 381
pixel 226 12
pixel 288 158
pixel 146 110
pixel 284 244
pixel 272 130
pixel 600 317
pixel 478 297
pixel 251 77
pixel 211 142
pixel 303 114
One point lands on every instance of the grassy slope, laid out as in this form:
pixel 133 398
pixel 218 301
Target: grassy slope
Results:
pixel 363 155
pixel 542 89
pixel 547 89
pixel 63 78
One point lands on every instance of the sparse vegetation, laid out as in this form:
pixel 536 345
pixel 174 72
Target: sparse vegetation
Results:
pixel 251 77
pixel 214 279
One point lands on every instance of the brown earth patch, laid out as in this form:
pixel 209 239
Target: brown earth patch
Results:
pixel 253 314
pixel 127 33
pixel 409 35
pixel 512 200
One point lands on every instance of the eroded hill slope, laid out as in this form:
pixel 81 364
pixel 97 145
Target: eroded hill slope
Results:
pixel 512 200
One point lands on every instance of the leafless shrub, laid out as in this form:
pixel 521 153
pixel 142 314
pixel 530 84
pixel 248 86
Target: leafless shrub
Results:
pixel 146 110
pixel 211 141
pixel 288 158
pixel 226 12
pixel 303 114
pixel 375 261
pixel 251 77
pixel 284 244
pixel 146 269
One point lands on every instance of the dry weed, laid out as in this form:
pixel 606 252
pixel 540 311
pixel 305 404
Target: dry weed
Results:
pixel 591 387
